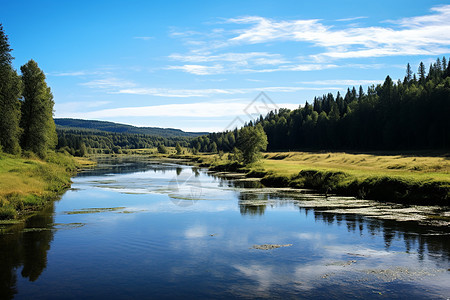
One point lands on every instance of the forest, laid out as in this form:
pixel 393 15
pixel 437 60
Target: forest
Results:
pixel 412 114
pixel 66 123
pixel 80 142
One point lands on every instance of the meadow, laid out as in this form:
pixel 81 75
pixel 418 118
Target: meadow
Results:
pixel 27 183
pixel 412 178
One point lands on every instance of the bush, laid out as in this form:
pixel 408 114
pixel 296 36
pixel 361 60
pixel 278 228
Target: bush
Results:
pixel 7 213
pixel 162 149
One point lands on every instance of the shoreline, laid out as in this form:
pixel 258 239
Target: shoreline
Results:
pixel 384 187
pixel 29 184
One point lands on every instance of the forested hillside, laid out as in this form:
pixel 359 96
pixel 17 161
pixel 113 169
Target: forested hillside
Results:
pixel 81 141
pixel 63 123
pixel 78 137
pixel 412 114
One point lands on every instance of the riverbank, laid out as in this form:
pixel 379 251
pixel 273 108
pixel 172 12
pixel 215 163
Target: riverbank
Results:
pixel 405 179
pixel 27 184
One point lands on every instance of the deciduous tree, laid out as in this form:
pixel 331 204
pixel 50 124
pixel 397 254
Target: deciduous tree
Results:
pixel 39 130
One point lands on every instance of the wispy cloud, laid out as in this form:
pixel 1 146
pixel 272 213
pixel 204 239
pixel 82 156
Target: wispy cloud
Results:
pixel 187 93
pixel 108 83
pixel 226 62
pixel 351 19
pixel 345 82
pixel 237 58
pixel 199 69
pixel 198 110
pixel 421 35
pixel 75 106
pixel 144 38
pixel 78 73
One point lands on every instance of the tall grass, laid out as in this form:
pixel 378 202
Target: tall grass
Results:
pixel 27 183
pixel 401 178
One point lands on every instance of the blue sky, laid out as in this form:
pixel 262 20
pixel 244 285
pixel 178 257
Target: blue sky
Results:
pixel 198 65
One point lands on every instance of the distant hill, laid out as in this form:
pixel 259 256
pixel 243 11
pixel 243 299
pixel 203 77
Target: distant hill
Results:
pixel 64 123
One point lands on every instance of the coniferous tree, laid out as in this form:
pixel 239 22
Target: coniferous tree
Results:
pixel 39 130
pixel 409 74
pixel 422 72
pixel 10 89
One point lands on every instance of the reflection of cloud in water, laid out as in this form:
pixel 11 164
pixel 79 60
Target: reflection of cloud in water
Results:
pixel 196 231
pixel 263 275
pixel 316 236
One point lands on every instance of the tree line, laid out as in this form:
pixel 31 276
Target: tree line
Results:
pixel 79 142
pixel 412 114
pixel 26 106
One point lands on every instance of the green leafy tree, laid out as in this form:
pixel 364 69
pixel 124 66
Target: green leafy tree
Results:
pixel 39 130
pixel 252 140
pixel 178 149
pixel 214 147
pixel 10 89
pixel 162 149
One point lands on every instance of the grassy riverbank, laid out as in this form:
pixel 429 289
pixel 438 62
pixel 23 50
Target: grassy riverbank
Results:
pixel 401 178
pixel 27 184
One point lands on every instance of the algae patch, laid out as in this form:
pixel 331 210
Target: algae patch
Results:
pixel 93 210
pixel 269 246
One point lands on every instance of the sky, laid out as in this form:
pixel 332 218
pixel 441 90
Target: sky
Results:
pixel 213 65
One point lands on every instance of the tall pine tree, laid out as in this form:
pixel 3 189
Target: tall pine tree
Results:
pixel 422 72
pixel 39 130
pixel 10 89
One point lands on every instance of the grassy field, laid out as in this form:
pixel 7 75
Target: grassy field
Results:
pixel 360 165
pixel 26 184
pixel 401 178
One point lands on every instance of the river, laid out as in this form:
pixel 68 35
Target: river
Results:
pixel 141 229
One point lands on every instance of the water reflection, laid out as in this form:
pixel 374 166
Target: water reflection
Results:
pixel 25 246
pixel 161 247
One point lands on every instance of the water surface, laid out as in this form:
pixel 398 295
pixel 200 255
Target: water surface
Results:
pixel 140 229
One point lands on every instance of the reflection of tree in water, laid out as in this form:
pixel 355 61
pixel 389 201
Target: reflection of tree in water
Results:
pixel 179 170
pixel 196 171
pixel 123 165
pixel 27 249
pixel 417 238
pixel 253 204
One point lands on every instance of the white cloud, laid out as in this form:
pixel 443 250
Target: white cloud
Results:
pixel 346 82
pixel 351 19
pixel 228 62
pixel 187 93
pixel 76 73
pixel 199 69
pixel 239 58
pixel 199 110
pixel 107 83
pixel 74 106
pixel 144 38
pixel 422 35
pixel 195 232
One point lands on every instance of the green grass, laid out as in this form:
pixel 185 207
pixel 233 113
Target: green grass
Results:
pixel 401 178
pixel 28 183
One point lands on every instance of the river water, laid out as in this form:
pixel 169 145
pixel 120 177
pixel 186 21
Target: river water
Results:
pixel 139 229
